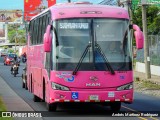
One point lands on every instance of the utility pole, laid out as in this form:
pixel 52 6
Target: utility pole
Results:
pixel 15 42
pixel 16 36
pixel 146 48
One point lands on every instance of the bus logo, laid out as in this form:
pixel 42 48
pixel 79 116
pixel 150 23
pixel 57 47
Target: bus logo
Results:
pixel 93 78
pixel 93 84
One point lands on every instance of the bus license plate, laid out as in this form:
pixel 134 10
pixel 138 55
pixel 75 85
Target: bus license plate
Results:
pixel 93 97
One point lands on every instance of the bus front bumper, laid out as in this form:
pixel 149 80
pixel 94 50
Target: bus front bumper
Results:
pixel 91 96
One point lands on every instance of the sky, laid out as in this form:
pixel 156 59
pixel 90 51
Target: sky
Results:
pixel 18 4
pixel 11 4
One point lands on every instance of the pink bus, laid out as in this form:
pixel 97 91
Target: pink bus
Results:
pixel 81 53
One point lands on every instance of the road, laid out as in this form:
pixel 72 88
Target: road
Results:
pixel 89 112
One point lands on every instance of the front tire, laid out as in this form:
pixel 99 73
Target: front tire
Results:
pixel 14 74
pixel 116 106
pixel 51 107
pixel 36 99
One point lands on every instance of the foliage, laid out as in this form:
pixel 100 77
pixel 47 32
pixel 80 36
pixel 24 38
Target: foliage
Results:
pixel 5 47
pixel 2 108
pixel 147 84
pixel 10 51
pixel 153 18
pixel 15 34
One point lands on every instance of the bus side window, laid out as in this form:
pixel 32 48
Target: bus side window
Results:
pixel 46 21
pixel 43 25
pixel 48 63
pixel 31 33
pixel 40 31
pixel 34 32
pixel 37 31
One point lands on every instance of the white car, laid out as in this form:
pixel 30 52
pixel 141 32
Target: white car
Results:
pixel 3 53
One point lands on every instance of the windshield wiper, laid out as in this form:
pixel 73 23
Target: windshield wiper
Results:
pixel 81 59
pixel 105 59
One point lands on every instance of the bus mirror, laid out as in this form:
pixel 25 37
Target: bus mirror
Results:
pixel 138 37
pixel 47 39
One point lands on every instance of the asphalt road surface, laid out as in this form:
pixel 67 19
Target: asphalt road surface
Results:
pixel 142 103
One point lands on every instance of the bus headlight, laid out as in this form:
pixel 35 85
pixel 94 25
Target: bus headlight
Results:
pixel 126 87
pixel 59 87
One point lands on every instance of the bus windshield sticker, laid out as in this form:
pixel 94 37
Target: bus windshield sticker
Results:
pixel 74 95
pixel 122 77
pixel 70 79
pixel 66 76
pixel 73 25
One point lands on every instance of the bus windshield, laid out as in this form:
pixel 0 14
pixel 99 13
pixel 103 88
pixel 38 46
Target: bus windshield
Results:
pixel 74 35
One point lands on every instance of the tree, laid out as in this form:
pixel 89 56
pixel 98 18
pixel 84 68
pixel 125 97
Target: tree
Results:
pixel 153 18
pixel 14 31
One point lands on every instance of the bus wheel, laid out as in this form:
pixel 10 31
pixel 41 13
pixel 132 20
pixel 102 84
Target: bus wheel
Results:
pixel 36 99
pixel 115 106
pixel 51 107
pixel 44 91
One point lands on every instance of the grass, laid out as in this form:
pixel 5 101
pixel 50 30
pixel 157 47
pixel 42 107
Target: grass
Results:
pixel 3 108
pixel 148 84
pixel 151 85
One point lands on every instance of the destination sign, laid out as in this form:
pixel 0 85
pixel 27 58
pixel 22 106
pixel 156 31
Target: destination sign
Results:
pixel 73 25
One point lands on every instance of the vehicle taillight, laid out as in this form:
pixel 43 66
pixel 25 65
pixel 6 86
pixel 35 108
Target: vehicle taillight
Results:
pixel 8 59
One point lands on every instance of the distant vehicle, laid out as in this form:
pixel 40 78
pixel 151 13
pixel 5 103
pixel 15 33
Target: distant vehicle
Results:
pixel 8 58
pixel 15 69
pixel 24 78
pixel 3 53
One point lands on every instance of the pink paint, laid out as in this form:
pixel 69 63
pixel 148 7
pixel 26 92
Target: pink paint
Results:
pixel 106 79
pixel 85 84
pixel 139 37
pixel 108 84
pixel 47 39
pixel 103 11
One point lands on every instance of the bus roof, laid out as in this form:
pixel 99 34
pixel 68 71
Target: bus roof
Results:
pixel 89 10
pixel 61 11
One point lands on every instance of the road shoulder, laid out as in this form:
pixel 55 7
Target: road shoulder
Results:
pixel 12 101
